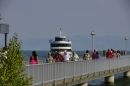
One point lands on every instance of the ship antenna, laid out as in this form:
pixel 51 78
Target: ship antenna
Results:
pixel 0 17
pixel 60 32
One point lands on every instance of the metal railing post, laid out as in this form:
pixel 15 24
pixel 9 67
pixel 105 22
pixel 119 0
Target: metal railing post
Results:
pixel 42 74
pixel 54 74
pixel 94 66
pixel 74 71
pixel 109 65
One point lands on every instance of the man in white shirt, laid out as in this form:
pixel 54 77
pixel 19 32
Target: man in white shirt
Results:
pixel 66 57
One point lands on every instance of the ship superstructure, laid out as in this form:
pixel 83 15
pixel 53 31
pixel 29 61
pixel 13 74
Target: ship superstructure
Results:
pixel 61 44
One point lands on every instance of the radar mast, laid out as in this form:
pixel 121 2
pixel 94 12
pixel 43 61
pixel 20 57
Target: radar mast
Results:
pixel 60 32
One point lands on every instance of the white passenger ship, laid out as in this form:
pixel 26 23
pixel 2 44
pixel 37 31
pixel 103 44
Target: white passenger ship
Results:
pixel 61 44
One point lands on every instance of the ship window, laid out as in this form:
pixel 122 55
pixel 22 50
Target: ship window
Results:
pixel 60 45
pixel 59 39
pixel 62 50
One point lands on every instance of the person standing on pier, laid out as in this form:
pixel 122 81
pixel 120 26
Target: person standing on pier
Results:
pixel 97 55
pixel 86 56
pixel 111 50
pixel 94 54
pixel 66 57
pixel 34 58
pixel 108 54
pixel 58 57
pixel 114 55
pixel 75 57
pixel 49 58
pixel 118 54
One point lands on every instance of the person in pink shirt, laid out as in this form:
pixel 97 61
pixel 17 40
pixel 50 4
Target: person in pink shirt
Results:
pixel 114 55
pixel 34 58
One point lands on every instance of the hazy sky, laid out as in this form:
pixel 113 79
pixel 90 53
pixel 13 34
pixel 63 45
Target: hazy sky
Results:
pixel 33 19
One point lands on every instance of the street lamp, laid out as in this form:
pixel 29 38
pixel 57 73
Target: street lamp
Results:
pixel 4 28
pixel 0 17
pixel 92 33
pixel 126 44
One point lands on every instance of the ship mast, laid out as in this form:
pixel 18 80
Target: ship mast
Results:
pixel 60 32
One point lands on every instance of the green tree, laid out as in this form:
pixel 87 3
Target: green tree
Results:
pixel 11 65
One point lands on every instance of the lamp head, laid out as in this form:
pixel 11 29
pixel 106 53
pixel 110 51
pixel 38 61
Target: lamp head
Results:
pixel 92 33
pixel 126 38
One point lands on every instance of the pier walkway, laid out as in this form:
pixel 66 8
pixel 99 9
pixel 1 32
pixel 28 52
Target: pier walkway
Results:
pixel 80 72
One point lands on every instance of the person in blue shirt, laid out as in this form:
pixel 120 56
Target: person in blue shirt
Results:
pixel 97 55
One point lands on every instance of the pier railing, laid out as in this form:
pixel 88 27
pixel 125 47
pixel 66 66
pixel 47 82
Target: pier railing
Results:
pixel 50 72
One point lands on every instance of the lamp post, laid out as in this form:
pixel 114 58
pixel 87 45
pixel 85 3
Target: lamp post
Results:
pixel 4 28
pixel 126 44
pixel 0 17
pixel 92 33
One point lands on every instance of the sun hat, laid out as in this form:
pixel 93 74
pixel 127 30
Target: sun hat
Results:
pixel 49 52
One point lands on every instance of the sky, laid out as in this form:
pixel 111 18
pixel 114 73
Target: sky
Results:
pixel 39 19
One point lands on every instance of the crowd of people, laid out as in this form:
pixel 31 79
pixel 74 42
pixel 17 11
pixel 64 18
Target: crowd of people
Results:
pixel 58 57
pixel 112 54
pixel 62 58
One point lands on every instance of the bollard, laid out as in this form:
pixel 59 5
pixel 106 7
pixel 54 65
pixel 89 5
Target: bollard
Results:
pixel 124 52
pixel 104 53
pixel 121 52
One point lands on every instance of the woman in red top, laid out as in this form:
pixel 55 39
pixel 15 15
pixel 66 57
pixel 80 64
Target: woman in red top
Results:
pixel 94 54
pixel 108 54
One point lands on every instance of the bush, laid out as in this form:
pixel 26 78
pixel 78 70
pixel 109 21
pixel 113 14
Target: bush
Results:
pixel 11 65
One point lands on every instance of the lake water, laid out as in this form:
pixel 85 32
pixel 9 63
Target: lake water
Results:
pixel 119 79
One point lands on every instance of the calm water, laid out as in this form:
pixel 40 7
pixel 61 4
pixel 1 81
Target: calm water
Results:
pixel 119 79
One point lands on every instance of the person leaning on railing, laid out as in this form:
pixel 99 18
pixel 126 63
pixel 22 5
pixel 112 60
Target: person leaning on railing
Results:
pixel 114 55
pixel 49 58
pixel 34 58
pixel 94 54
pixel 75 57
pixel 58 57
pixel 66 57
pixel 86 56
pixel 118 54
pixel 108 54
pixel 97 55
